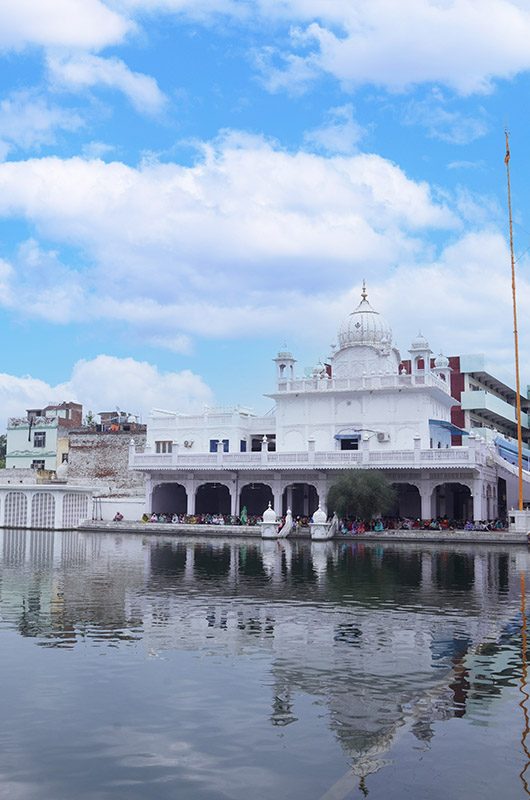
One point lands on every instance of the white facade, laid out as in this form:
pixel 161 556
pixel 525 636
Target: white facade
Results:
pixel 361 410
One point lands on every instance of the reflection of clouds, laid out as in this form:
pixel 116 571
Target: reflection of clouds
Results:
pixel 136 749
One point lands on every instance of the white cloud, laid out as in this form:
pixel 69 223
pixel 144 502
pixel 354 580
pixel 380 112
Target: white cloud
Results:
pixel 83 71
pixel 218 248
pixel 28 120
pixel 463 44
pixel 86 24
pixel 340 133
pixel 435 115
pixel 105 382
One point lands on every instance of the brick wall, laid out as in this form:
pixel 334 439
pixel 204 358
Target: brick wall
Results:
pixel 101 460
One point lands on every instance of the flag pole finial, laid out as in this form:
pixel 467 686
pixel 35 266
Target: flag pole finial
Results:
pixel 364 293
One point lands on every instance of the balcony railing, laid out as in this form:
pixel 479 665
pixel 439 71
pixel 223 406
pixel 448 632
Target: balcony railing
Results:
pixel 336 459
pixel 369 382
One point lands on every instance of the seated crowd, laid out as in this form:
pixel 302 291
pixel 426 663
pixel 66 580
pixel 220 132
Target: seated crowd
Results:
pixel 347 526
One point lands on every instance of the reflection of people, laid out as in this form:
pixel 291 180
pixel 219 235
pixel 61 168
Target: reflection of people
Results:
pixel 118 517
pixel 243 516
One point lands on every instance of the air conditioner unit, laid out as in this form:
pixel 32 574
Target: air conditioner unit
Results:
pixel 383 437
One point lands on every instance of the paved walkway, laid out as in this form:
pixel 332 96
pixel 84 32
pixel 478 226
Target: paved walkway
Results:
pixel 253 531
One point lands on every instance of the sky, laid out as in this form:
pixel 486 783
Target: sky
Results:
pixel 188 186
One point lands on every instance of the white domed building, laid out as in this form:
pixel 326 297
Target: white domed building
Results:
pixel 365 408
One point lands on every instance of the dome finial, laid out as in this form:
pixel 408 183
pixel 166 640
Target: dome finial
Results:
pixel 364 293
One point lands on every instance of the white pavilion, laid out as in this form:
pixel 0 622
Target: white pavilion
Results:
pixel 365 409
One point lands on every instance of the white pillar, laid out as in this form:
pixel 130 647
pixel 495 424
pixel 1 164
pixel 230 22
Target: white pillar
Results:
pixel 190 491
pixel 233 499
pixel 426 494
pixel 277 493
pixel 478 499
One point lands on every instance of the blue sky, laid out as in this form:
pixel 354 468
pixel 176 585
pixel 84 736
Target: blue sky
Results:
pixel 186 185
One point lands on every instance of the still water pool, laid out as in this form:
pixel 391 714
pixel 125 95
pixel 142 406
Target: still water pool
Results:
pixel 137 667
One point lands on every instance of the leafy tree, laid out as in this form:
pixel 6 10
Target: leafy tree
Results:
pixel 3 447
pixel 361 493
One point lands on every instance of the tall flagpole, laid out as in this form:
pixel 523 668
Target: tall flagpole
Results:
pixel 515 333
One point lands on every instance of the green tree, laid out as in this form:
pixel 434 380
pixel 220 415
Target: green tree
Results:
pixel 3 447
pixel 361 493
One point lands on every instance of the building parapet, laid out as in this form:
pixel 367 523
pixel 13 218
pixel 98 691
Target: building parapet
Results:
pixel 365 382
pixel 36 422
pixel 343 459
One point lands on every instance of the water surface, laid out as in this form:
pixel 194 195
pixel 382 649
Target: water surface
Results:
pixel 150 667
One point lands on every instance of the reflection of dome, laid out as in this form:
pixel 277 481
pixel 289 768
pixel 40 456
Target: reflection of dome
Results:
pixel 420 343
pixel 364 326
pixel 441 361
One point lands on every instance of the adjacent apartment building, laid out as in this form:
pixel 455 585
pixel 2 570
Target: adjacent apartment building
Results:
pixel 40 439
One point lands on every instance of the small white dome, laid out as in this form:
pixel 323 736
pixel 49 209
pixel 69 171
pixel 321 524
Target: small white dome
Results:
pixel 319 516
pixel 364 326
pixel 441 361
pixel 269 515
pixel 62 471
pixel 420 343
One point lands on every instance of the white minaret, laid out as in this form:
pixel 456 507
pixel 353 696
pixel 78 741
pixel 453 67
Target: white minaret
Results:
pixel 420 351
pixel 442 368
pixel 285 362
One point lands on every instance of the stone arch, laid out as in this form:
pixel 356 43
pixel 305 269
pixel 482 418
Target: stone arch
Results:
pixel 302 498
pixel 408 500
pixel 454 500
pixel 16 510
pixel 43 510
pixel 256 497
pixel 169 498
pixel 213 498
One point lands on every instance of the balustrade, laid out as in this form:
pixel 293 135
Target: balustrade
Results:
pixel 332 459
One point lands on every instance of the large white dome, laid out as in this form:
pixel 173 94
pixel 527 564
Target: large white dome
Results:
pixel 364 326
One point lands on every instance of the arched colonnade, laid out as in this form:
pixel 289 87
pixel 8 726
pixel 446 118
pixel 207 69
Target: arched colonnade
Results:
pixel 458 498
pixel 222 497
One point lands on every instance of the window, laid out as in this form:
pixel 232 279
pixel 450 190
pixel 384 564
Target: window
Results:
pixel 243 446
pixel 164 447
pixel 223 448
pixel 38 463
pixel 39 439
pixel 349 444
pixel 64 458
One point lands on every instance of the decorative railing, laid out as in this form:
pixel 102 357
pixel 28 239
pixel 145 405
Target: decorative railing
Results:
pixel 336 459
pixel 370 382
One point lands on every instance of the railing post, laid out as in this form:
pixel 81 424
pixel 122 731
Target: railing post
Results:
pixel 264 450
pixel 311 450
pixel 417 448
pixel 219 451
pixel 175 453
pixel 365 452
pixel 132 453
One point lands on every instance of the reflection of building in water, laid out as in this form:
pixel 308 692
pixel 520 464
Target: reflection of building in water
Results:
pixel 375 635
pixel 63 586
pixel 383 638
